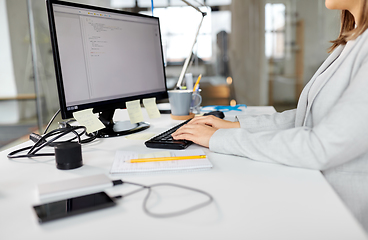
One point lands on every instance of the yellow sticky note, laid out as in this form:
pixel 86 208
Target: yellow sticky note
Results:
pixel 134 111
pixel 89 120
pixel 151 107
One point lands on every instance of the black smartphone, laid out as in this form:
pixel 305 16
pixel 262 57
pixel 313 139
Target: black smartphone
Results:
pixel 73 206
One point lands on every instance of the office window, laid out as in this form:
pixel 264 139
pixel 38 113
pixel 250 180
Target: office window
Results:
pixel 156 3
pixel 122 3
pixel 181 3
pixel 275 30
pixel 178 28
pixel 218 2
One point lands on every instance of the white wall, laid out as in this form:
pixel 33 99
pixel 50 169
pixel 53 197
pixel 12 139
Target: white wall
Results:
pixel 21 55
pixel 6 63
pixel 8 109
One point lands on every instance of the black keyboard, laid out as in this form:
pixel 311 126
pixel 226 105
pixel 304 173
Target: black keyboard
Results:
pixel 165 140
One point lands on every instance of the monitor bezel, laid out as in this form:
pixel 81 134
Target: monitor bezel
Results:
pixel 98 106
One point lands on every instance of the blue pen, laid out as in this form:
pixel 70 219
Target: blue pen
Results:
pixel 152 6
pixel 223 108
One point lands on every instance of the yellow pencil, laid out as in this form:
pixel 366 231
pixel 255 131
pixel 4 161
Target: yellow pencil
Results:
pixel 196 84
pixel 158 159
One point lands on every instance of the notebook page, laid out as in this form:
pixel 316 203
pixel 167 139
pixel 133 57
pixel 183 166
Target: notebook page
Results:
pixel 122 162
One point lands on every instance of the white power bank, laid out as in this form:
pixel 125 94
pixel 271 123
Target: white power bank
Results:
pixel 73 187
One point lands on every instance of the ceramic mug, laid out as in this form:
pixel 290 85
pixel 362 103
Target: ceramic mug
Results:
pixel 181 101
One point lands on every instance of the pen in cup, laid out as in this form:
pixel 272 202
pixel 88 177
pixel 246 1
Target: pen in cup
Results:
pixel 196 98
pixel 196 84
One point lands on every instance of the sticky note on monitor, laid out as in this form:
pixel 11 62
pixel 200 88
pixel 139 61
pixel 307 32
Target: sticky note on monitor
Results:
pixel 151 107
pixel 134 111
pixel 89 120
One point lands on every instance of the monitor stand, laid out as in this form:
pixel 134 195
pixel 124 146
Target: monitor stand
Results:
pixel 120 128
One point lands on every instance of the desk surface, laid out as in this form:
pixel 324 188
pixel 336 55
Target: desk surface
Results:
pixel 253 200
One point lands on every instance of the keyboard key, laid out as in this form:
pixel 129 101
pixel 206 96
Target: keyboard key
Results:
pixel 165 140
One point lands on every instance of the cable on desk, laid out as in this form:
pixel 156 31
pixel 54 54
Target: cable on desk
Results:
pixel 172 214
pixel 178 213
pixel 51 120
pixel 42 142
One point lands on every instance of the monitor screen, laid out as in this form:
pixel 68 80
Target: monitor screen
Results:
pixel 104 57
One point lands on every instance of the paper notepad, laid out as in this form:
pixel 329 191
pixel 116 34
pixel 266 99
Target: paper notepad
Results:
pixel 122 163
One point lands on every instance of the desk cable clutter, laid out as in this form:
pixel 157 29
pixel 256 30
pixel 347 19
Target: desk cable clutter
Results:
pixel 90 125
pixel 68 153
pixel 72 150
pixel 96 183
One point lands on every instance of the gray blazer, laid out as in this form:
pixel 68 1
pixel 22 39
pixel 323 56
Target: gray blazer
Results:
pixel 329 133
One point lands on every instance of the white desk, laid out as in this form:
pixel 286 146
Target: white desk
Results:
pixel 253 200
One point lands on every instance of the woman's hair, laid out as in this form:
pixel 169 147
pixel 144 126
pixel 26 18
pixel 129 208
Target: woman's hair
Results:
pixel 348 31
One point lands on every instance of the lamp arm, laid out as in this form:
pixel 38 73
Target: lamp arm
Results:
pixel 191 5
pixel 186 63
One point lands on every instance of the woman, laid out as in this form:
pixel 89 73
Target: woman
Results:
pixel 329 129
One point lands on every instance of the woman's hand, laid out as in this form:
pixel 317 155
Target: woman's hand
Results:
pixel 197 133
pixel 200 129
pixel 214 122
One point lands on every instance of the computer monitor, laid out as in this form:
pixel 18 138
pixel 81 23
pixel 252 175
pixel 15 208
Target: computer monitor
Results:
pixel 104 58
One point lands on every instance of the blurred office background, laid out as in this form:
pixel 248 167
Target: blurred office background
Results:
pixel 254 52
